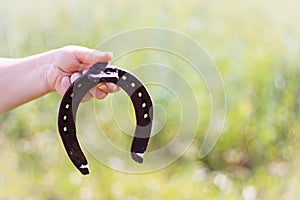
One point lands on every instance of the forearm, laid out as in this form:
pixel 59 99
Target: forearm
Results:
pixel 23 80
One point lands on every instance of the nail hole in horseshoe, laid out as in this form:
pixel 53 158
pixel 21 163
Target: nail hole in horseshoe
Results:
pixel 132 84
pixel 140 94
pixel 124 77
pixel 146 115
pixel 67 106
pixel 79 85
pixel 65 129
pixel 144 105
pixel 65 117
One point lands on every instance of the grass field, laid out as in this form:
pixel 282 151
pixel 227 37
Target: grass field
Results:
pixel 255 45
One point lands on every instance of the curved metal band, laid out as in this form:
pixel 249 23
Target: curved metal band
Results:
pixel 139 96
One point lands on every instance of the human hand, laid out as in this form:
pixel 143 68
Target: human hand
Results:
pixel 68 64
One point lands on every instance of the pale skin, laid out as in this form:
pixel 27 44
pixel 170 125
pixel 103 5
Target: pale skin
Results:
pixel 25 79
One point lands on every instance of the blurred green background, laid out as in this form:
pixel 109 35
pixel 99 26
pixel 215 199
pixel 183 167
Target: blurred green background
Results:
pixel 255 45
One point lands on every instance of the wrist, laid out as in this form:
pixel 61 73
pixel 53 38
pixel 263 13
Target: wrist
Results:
pixel 49 71
pixel 41 66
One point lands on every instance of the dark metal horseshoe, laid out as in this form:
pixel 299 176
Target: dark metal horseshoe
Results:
pixel 102 72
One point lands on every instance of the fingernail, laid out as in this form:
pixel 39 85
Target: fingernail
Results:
pixel 102 87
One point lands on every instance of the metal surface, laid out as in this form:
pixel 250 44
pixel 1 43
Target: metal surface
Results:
pixel 102 72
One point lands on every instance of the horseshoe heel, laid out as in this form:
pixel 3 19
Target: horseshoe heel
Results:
pixel 143 106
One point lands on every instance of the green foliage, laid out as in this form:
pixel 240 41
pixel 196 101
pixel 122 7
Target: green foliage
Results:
pixel 255 46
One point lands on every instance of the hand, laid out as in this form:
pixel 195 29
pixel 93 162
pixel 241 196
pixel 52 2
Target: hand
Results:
pixel 68 64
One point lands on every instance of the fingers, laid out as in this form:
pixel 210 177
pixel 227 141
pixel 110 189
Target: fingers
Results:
pixel 65 83
pixel 97 93
pixel 108 87
pixel 103 89
pixel 87 97
pixel 75 76
pixel 100 91
pixel 91 56
pixel 85 57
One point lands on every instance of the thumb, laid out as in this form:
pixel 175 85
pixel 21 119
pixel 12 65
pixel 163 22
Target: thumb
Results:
pixel 91 56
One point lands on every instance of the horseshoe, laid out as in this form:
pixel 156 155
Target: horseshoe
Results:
pixel 102 72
